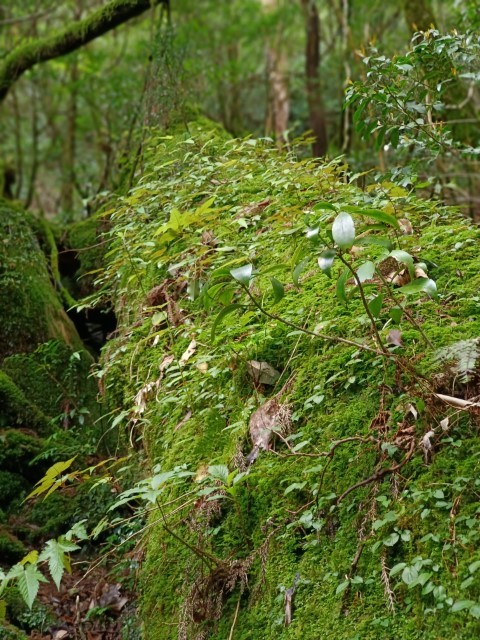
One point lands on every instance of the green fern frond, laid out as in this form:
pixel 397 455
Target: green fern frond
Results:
pixel 465 354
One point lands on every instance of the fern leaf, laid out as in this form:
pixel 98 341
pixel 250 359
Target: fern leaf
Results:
pixel 465 354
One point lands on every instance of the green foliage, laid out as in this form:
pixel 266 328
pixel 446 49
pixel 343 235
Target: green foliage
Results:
pixel 418 106
pixel 26 575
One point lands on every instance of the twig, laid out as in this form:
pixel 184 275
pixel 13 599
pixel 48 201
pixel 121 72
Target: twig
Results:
pixel 378 475
pixel 364 302
pixel 457 402
pixel 230 635
pixel 315 334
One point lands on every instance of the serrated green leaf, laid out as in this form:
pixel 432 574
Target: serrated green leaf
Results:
pixel 161 478
pixel 78 531
pixel 243 274
pixel 397 568
pixel 460 605
pixel 343 230
pixel 365 271
pixel 475 611
pixel 278 289
pixel 375 305
pixel 28 583
pixel 158 317
pixel 293 487
pixel 299 270
pixel 375 214
pixel 340 288
pixel 409 575
pixel 219 472
pixel 341 587
pixel 224 312
pixel 426 285
pixel 325 261
pixel 391 540
pixel 474 566
pixel 54 553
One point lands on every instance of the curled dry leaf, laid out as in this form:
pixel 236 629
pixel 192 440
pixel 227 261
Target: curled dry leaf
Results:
pixel 420 273
pixel 427 445
pixel 410 408
pixel 166 362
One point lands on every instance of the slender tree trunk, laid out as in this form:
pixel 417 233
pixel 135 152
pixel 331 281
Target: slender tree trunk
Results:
pixel 18 146
pixel 235 102
pixel 347 48
pixel 34 159
pixel 278 99
pixel 316 111
pixel 68 186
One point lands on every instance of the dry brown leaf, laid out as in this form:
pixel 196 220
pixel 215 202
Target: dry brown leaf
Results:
pixel 188 353
pixel 166 362
pixel 405 226
pixel 395 337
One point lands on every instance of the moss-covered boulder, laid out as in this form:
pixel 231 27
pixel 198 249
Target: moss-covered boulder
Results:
pixel 30 309
pixel 360 520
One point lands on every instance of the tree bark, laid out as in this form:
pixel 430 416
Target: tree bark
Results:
pixel 69 145
pixel 24 57
pixel 316 112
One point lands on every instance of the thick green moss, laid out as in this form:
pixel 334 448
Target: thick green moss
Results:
pixel 286 516
pixel 16 408
pixel 9 632
pixel 11 549
pixel 18 449
pixel 30 310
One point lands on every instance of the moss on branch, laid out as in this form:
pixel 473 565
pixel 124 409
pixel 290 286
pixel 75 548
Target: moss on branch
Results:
pixel 73 37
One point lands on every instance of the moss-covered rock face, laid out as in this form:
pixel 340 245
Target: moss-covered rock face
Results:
pixel 16 408
pixel 368 502
pixel 30 310
pixel 54 378
pixel 85 249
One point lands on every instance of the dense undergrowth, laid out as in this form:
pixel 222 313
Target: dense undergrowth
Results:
pixel 366 508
